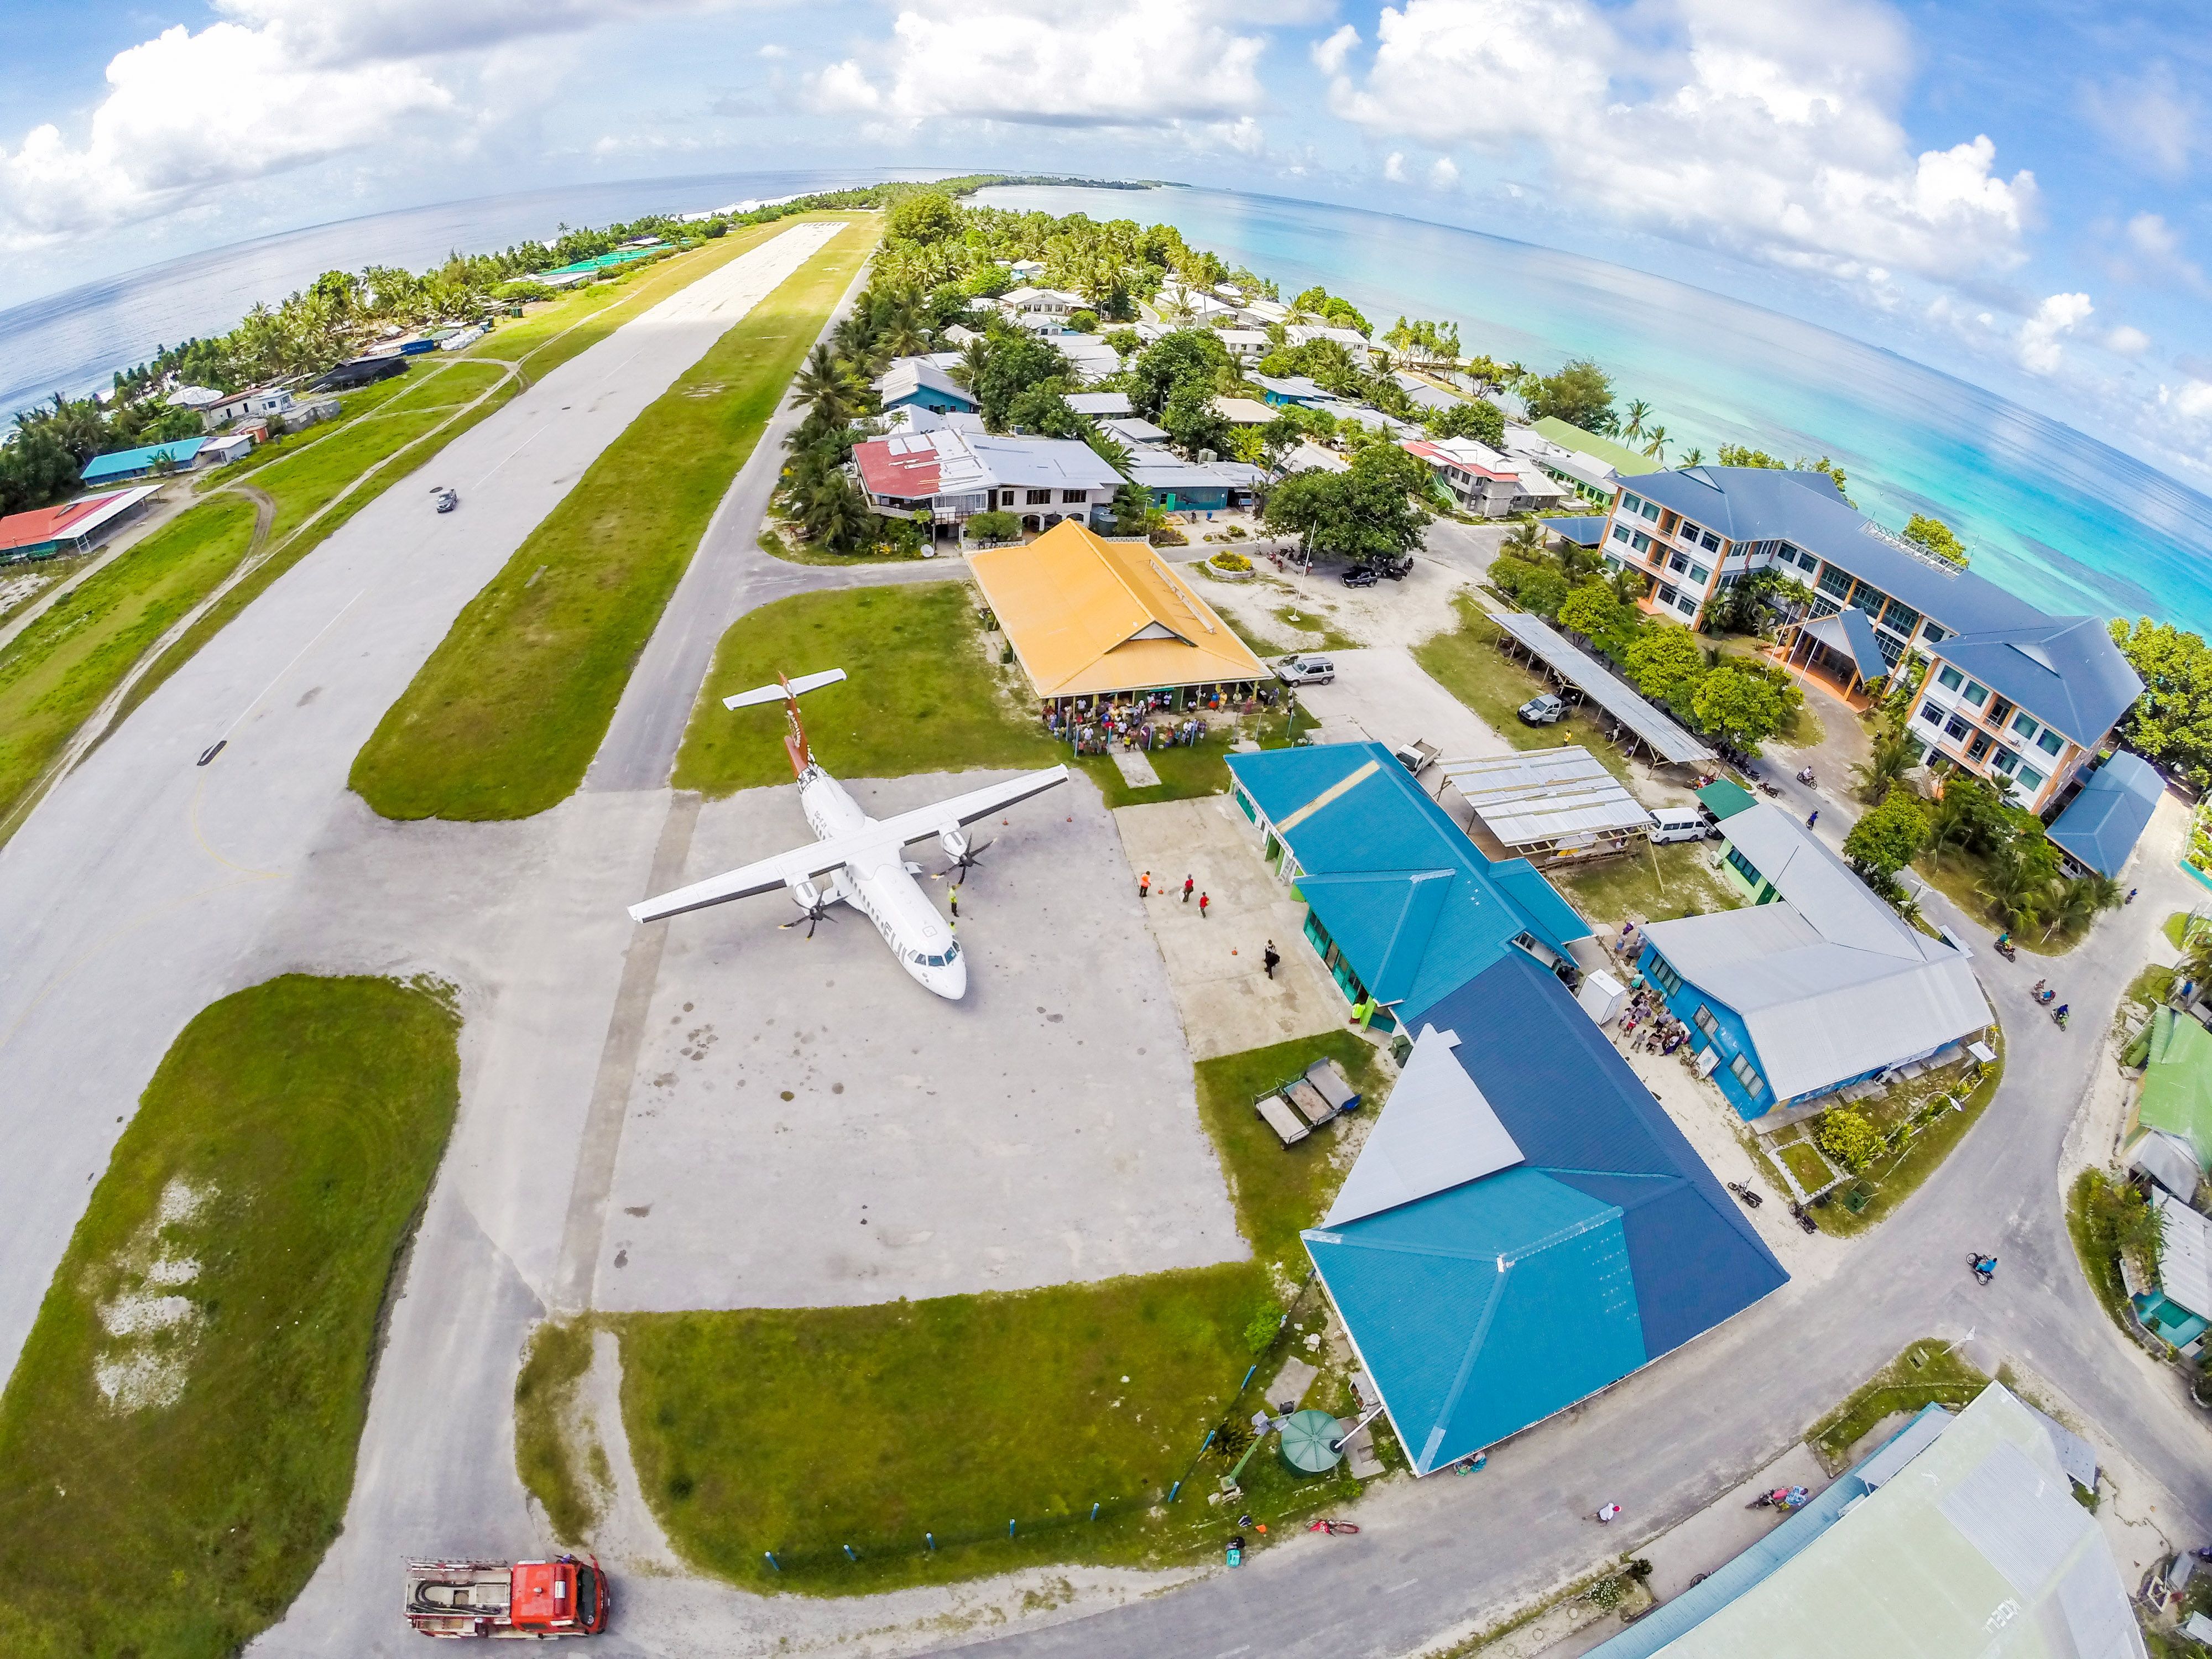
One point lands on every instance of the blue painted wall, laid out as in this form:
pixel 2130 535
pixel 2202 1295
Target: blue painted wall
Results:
pixel 1730 1036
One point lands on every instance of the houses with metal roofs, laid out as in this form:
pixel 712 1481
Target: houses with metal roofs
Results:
pixel 1960 1536
pixel 76 526
pixel 1524 1225
pixel 1484 481
pixel 2100 827
pixel 1590 466
pixel 1182 486
pixel 1817 983
pixel 2175 1098
pixel 945 474
pixel 1045 309
pixel 177 455
pixel 922 383
pixel 2177 1307
pixel 2021 698
pixel 1401 908
pixel 1091 619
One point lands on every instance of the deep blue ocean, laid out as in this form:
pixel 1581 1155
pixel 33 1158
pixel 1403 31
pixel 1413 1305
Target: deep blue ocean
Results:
pixel 2068 522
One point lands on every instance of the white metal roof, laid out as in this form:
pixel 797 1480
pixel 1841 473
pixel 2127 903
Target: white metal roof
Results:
pixel 1545 794
pixel 1436 1132
pixel 1603 687
pixel 2184 1256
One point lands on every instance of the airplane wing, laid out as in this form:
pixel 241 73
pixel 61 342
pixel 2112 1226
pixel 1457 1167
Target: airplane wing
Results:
pixel 926 821
pixel 783 870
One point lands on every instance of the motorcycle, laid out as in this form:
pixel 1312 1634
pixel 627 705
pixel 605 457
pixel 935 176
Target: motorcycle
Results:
pixel 1985 1266
pixel 1235 1553
pixel 1782 1497
pixel 2045 995
pixel 1752 1201
pixel 1806 776
pixel 2058 1016
pixel 1766 788
pixel 1804 1218
pixel 2007 949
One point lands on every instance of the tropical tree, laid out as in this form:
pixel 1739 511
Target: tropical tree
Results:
pixel 1581 394
pixel 1655 443
pixel 1692 456
pixel 825 386
pixel 1936 536
pixel 1633 418
pixel 1969 814
pixel 1593 612
pixel 1743 704
pixel 2078 902
pixel 2171 723
pixel 1893 754
pixel 1886 839
pixel 1666 662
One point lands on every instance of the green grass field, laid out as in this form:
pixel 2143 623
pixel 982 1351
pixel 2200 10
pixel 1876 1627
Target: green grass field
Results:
pixel 167 1491
pixel 57 672
pixel 1896 1175
pixel 1928 1373
pixel 504 717
pixel 1278 1190
pixel 1658 884
pixel 919 695
pixel 1468 663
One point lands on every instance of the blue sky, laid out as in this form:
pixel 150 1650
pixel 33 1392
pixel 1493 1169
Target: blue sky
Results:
pixel 2015 191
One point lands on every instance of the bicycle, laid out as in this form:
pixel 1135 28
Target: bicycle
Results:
pixel 1334 1529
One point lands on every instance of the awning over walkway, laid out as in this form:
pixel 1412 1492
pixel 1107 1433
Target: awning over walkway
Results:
pixel 1548 795
pixel 1850 636
pixel 1603 687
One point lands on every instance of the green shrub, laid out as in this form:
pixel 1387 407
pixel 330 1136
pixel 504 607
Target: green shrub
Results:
pixel 1846 1136
pixel 1227 560
pixel 994 527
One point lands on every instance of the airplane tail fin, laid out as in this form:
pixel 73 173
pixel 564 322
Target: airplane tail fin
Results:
pixel 788 691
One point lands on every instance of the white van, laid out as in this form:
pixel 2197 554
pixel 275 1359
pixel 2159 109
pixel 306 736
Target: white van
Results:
pixel 1673 824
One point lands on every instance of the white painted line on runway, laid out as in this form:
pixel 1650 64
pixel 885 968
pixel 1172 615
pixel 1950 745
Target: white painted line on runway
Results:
pixel 290 665
pixel 1232 1653
pixel 1394 1588
pixel 516 451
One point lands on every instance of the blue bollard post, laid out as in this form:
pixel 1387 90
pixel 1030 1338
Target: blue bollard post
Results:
pixel 1010 1529
pixel 849 1556
pixel 1247 1382
pixel 1094 1512
pixel 929 1538
pixel 772 1561
pixel 1173 1489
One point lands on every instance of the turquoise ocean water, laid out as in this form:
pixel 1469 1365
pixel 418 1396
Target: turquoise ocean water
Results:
pixel 2064 520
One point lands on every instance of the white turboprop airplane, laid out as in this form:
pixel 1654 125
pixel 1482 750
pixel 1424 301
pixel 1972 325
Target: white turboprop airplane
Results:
pixel 864 858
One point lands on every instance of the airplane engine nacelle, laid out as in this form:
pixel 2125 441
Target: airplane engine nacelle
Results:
pixel 806 895
pixel 954 841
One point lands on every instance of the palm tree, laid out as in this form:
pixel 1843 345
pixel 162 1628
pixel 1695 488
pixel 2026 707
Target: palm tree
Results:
pixel 1690 457
pixel 903 335
pixel 1527 540
pixel 1656 447
pixel 1638 412
pixel 823 385
pixel 2080 902
pixel 1894 755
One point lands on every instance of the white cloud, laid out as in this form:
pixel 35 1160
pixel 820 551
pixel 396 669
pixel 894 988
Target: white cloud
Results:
pixel 2039 351
pixel 346 32
pixel 1444 173
pixel 152 143
pixel 1394 168
pixel 1769 133
pixel 2149 249
pixel 1082 64
pixel 2191 399
pixel 1329 54
pixel 2147 121
pixel 772 50
pixel 2128 341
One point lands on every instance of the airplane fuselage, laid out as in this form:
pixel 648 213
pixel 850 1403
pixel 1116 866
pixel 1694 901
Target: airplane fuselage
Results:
pixel 880 883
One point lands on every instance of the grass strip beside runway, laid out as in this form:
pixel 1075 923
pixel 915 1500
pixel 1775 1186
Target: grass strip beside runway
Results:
pixel 504 717
pixel 58 670
pixel 177 1443
pixel 919 695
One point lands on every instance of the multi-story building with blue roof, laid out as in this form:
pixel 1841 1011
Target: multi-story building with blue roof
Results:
pixel 2012 694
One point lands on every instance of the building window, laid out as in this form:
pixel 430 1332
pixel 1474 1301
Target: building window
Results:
pixel 1661 972
pixel 2030 779
pixel 1976 694
pixel 2005 761
pixel 2050 743
pixel 1677 563
pixel 1643 543
pixel 1902 617
pixel 1699 575
pixel 1651 511
pixel 1039 497
pixel 1689 533
pixel 1688 604
pixel 1754 1085
pixel 1711 543
pixel 1631 503
pixel 1666 594
pixel 1744 867
pixel 1070 494
pixel 1931 713
pixel 2026 725
pixel 1950 678
pixel 1933 635
pixel 1979 747
pixel 1836 582
pixel 1704 1020
pixel 1621 533
pixel 1956 727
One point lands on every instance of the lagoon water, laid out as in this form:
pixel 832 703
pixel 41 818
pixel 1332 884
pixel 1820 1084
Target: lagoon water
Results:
pixel 2069 523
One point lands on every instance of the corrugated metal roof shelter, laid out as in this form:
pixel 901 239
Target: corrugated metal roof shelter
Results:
pixel 1088 617
pixel 75 526
pixel 2100 827
pixel 1724 797
pixel 2177 1084
pixel 1828 981
pixel 1662 736
pixel 1409 907
pixel 135 463
pixel 1536 1229
pixel 1547 799
pixel 1977 1547
pixel 1582 531
pixel 2184 1256
pixel 2167 1159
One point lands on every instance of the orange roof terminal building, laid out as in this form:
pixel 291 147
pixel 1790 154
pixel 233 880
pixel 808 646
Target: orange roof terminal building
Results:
pixel 1089 618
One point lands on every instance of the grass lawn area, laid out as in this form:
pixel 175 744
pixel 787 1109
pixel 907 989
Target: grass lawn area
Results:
pixel 777 546
pixel 1301 621
pixel 1658 884
pixel 1896 1175
pixel 1960 875
pixel 803 1430
pixel 506 715
pixel 1468 663
pixel 545 1454
pixel 1804 1161
pixel 454 380
pixel 2099 1255
pixel 919 695
pixel 1278 1190
pixel 21 585
pixel 2175 927
pixel 56 672
pixel 247 1230
pixel 1928 1373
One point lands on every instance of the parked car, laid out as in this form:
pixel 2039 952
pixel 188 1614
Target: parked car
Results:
pixel 1673 824
pixel 1359 575
pixel 1417 756
pixel 1543 710
pixel 1303 669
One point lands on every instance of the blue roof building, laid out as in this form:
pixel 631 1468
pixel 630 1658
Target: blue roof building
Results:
pixel 920 383
pixel 2019 698
pixel 2100 828
pixel 1401 907
pixel 136 462
pixel 1525 1225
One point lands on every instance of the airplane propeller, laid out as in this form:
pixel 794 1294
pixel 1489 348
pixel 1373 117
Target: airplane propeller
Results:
pixel 817 912
pixel 967 860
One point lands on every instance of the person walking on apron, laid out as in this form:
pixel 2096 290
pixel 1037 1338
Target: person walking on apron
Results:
pixel 1189 887
pixel 1272 958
